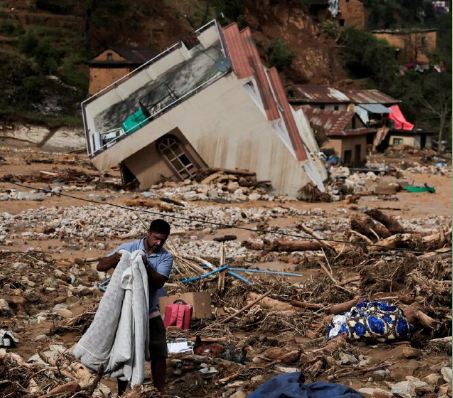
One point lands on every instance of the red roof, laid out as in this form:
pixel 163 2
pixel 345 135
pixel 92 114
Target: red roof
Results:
pixel 246 62
pixel 235 46
pixel 288 116
pixel 334 123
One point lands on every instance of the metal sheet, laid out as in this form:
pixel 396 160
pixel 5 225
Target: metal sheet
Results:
pixel 375 108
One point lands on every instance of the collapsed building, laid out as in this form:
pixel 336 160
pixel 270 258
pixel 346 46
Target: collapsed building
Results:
pixel 204 103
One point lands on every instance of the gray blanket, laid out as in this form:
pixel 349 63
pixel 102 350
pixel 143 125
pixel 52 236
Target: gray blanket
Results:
pixel 118 337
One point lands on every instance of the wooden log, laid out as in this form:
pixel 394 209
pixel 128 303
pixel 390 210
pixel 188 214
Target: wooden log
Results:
pixel 312 233
pixel 271 303
pixel 67 388
pixel 414 315
pixel 368 227
pixel 388 221
pixel 333 309
pixel 307 305
pixel 392 242
pixel 249 305
pixel 282 245
pixel 238 172
pixel 211 178
pixel 439 238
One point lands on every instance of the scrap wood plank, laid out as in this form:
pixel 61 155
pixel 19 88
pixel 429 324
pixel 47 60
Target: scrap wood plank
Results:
pixel 250 305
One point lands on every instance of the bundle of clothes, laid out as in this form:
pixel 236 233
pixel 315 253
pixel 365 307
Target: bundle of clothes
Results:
pixel 373 320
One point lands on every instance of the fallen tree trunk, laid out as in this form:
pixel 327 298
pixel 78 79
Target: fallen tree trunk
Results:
pixel 388 221
pixel 333 309
pixel 415 315
pixel 282 245
pixel 392 242
pixel 271 303
pixel 365 225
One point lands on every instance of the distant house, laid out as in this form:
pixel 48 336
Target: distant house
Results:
pixel 346 12
pixel 372 106
pixel 353 120
pixel 415 138
pixel 376 109
pixel 352 13
pixel 114 63
pixel 212 104
pixel 318 96
pixel 343 132
pixel 414 45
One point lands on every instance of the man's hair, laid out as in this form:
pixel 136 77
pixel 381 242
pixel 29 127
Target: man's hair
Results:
pixel 160 226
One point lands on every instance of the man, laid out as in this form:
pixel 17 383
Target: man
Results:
pixel 159 263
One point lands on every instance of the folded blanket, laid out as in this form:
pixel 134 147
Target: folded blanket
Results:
pixel 118 337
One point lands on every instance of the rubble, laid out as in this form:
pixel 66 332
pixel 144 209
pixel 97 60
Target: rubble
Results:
pixel 337 256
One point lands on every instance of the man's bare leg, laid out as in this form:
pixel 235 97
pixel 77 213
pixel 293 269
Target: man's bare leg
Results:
pixel 159 371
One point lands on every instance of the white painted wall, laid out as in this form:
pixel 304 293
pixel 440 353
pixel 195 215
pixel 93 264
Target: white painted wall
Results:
pixel 228 130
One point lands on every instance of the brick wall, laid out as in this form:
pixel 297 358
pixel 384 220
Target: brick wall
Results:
pixel 414 46
pixel 352 13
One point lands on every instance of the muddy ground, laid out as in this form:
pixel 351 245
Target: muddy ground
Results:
pixel 49 291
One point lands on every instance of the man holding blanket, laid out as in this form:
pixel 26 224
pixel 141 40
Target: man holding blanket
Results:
pixel 159 263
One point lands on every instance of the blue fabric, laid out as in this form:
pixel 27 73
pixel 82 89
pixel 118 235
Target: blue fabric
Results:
pixel 288 386
pixel 161 262
pixel 375 320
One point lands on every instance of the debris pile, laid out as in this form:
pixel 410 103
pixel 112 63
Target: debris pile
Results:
pixel 277 274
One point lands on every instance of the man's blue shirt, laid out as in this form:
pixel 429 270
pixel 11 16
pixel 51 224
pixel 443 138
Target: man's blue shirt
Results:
pixel 161 262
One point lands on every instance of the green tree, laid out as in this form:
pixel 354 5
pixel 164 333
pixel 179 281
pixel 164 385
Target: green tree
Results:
pixel 228 11
pixel 279 55
pixel 368 57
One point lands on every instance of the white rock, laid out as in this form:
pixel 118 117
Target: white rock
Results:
pixel 446 374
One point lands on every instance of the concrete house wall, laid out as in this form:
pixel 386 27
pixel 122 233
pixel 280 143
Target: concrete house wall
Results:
pixel 222 122
pixel 245 141
pixel 340 145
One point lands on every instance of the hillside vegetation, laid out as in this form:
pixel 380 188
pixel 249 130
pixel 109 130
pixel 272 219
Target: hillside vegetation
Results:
pixel 45 44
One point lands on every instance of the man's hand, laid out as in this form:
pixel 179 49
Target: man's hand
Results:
pixel 106 263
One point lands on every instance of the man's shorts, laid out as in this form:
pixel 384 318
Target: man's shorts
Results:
pixel 157 338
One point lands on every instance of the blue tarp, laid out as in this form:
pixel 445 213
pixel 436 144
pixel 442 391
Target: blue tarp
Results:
pixel 288 386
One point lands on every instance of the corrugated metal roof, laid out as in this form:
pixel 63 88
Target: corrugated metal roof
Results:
pixel 374 108
pixel 370 97
pixel 288 116
pixel 235 46
pixel 246 62
pixel 314 93
pixel 260 75
pixel 333 123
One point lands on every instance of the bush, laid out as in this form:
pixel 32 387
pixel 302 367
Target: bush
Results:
pixel 330 28
pixel 62 7
pixel 366 56
pixel 279 55
pixel 28 43
pixel 9 28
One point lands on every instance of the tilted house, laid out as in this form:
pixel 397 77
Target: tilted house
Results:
pixel 210 104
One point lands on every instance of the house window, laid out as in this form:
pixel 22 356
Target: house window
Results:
pixel 336 107
pixel 109 56
pixel 176 156
pixel 342 22
pixel 397 141
pixel 321 106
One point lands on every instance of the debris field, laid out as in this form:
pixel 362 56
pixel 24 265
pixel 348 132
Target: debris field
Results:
pixel 366 238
